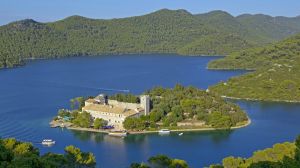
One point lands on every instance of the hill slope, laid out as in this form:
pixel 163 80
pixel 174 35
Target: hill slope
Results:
pixel 164 31
pixel 276 77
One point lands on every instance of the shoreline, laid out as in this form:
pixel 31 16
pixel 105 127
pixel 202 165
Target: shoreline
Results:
pixel 156 131
pixel 253 99
pixel 26 60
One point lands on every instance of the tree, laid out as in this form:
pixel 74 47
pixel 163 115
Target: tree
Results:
pixel 232 162
pixel 216 166
pixel 160 161
pixel 6 155
pixel 139 165
pixel 218 120
pixel 134 124
pixel 51 160
pixel 25 149
pixel 288 162
pixel 297 152
pixel 279 156
pixel 265 164
pixel 177 163
pixel 83 119
pixel 9 143
pixel 15 154
pixel 77 102
pixel 155 116
pixel 63 113
pixel 76 158
pixel 99 123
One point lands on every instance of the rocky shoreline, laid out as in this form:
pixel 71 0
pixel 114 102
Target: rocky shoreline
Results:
pixel 54 124
pixel 252 99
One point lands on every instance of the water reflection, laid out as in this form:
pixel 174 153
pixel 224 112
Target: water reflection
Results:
pixel 135 138
pixel 88 136
pixel 216 136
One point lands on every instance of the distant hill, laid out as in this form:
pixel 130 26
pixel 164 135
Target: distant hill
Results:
pixel 277 75
pixel 164 31
pixel 286 51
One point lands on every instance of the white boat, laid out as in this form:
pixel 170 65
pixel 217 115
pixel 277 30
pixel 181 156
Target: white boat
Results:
pixel 118 133
pixel 48 142
pixel 180 134
pixel 164 131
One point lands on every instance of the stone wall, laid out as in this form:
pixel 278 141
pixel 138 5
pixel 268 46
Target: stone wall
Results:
pixel 191 123
pixel 124 105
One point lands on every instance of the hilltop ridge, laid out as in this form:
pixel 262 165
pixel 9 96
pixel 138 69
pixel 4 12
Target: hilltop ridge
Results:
pixel 163 31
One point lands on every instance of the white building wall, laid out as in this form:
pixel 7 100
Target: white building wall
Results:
pixel 113 119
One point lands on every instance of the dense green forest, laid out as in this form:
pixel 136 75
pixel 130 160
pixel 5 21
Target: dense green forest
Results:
pixel 15 154
pixel 284 155
pixel 164 31
pixel 276 77
pixel 188 104
pixel 284 52
pixel 161 161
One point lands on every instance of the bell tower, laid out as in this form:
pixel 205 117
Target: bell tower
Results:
pixel 145 103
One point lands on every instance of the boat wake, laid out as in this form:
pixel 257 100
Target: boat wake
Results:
pixel 68 85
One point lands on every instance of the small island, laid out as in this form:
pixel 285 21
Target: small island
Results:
pixel 177 109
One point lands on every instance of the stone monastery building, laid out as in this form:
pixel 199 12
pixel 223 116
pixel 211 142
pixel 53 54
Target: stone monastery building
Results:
pixel 115 112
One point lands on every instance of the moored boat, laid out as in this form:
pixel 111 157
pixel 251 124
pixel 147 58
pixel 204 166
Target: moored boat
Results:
pixel 180 134
pixel 118 133
pixel 164 131
pixel 48 142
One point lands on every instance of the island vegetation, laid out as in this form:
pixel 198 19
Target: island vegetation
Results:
pixel 174 108
pixel 276 75
pixel 15 154
pixel 74 116
pixel 187 105
pixel 78 118
pixel 129 98
pixel 164 31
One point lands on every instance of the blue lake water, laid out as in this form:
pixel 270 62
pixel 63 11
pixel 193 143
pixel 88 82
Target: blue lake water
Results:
pixel 31 95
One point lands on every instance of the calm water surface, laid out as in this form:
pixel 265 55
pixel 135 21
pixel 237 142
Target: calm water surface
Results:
pixel 31 95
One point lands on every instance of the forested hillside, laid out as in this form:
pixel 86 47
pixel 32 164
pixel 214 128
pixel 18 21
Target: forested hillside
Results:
pixel 276 77
pixel 285 51
pixel 164 31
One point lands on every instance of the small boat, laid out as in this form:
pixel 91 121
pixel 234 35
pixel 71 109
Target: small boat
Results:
pixel 48 142
pixel 180 134
pixel 118 133
pixel 164 131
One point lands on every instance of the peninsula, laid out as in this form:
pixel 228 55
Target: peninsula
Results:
pixel 276 75
pixel 178 109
